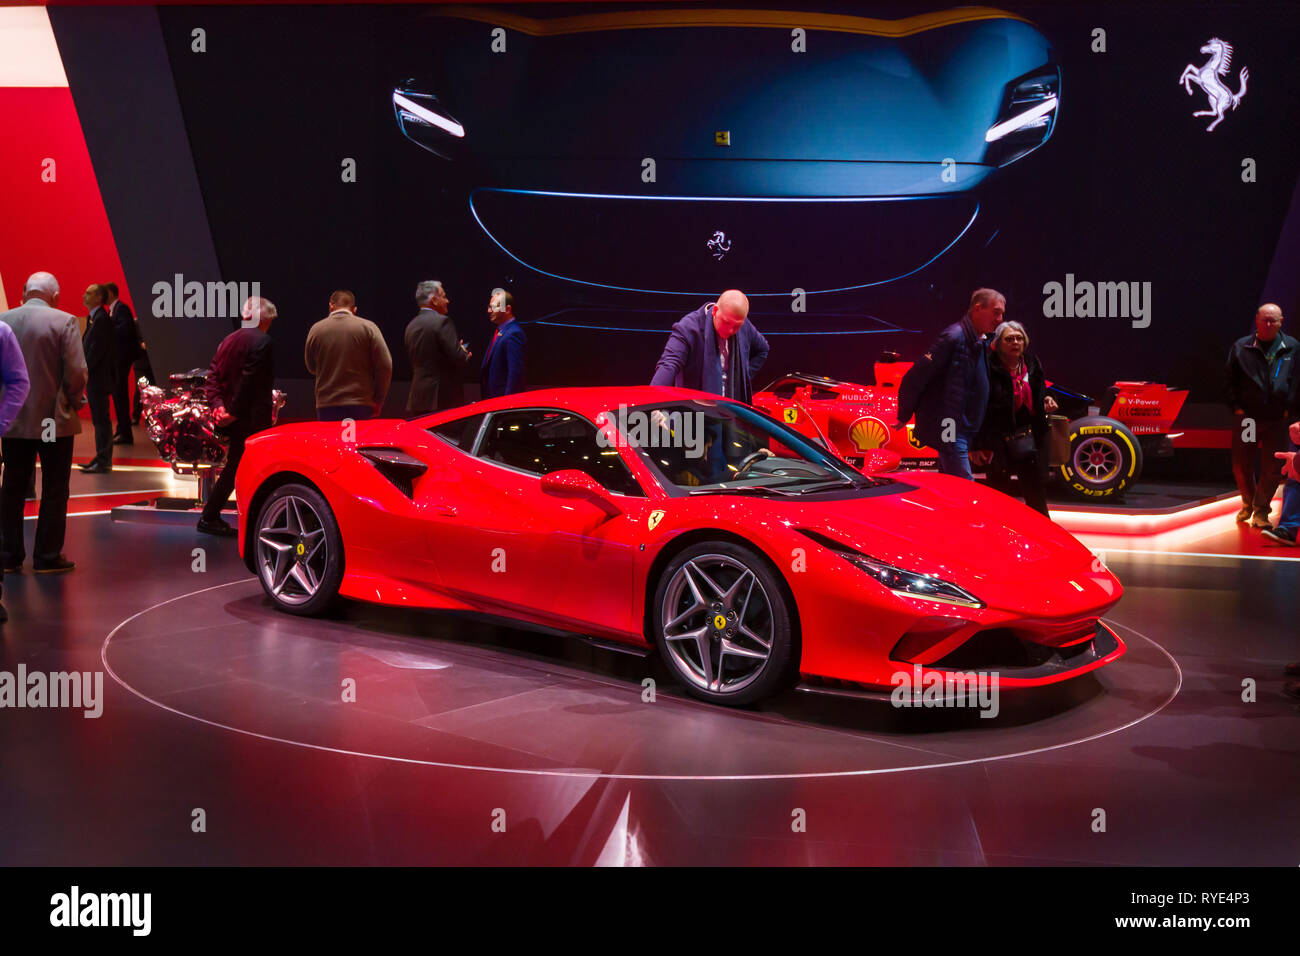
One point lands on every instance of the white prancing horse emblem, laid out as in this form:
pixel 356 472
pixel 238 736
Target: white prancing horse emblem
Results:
pixel 719 245
pixel 1207 78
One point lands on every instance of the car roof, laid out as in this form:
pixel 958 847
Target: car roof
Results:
pixel 588 401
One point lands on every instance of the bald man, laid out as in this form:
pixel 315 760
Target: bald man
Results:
pixel 714 349
pixel 1262 387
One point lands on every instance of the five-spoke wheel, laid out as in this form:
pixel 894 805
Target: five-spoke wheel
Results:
pixel 722 623
pixel 297 550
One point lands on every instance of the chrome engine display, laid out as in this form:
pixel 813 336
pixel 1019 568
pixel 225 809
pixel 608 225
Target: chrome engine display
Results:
pixel 182 425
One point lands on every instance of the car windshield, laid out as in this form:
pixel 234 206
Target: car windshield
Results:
pixel 721 447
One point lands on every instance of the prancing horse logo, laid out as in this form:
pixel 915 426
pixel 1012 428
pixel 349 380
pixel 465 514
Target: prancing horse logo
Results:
pixel 719 245
pixel 1207 78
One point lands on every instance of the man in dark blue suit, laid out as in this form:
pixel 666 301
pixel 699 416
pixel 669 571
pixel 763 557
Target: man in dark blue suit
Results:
pixel 714 350
pixel 503 363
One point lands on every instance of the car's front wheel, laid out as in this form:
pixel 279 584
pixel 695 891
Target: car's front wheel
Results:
pixel 723 625
pixel 298 550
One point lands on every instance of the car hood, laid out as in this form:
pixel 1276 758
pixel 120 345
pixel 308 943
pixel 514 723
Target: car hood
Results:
pixel 1006 554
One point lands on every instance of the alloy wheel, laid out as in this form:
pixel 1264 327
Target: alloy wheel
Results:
pixel 292 550
pixel 718 624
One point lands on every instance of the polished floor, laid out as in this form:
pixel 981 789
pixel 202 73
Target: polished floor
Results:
pixel 461 728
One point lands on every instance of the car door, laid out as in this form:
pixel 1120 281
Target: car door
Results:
pixel 509 547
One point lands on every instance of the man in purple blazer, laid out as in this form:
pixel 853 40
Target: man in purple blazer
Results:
pixel 714 350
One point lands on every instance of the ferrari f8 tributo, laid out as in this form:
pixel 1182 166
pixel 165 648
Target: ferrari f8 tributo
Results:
pixel 668 519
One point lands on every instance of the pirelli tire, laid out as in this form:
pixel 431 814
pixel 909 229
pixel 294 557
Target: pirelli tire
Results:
pixel 1105 458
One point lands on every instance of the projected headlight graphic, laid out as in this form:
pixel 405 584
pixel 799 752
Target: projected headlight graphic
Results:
pixel 611 153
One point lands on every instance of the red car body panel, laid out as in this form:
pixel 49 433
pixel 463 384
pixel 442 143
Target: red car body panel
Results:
pixel 479 536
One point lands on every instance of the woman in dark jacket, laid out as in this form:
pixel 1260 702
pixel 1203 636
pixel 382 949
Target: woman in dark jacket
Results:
pixel 1015 424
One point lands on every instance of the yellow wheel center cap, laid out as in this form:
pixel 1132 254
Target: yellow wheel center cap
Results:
pixel 720 622
pixel 302 549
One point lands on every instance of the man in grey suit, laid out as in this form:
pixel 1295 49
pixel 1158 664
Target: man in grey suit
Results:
pixel 44 428
pixel 437 354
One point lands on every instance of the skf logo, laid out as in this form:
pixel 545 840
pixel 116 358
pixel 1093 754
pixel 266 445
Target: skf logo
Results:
pixel 722 137
pixel 790 415
pixel 656 516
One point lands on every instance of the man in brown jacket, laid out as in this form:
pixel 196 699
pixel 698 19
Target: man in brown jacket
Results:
pixel 56 367
pixel 351 362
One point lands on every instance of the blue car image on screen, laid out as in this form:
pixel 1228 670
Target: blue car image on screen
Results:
pixel 666 151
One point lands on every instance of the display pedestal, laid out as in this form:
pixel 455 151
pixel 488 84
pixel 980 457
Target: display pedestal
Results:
pixel 169 511
pixel 176 511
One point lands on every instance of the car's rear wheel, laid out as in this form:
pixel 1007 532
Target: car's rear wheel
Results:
pixel 723 625
pixel 298 550
pixel 1104 459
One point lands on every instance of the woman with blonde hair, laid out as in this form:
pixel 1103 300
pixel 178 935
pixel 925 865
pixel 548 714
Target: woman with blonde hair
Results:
pixel 1015 423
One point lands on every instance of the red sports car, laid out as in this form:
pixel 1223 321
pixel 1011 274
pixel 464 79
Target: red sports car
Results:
pixel 666 518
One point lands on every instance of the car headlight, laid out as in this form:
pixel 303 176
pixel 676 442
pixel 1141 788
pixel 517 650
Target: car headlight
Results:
pixel 1027 116
pixel 425 121
pixel 912 583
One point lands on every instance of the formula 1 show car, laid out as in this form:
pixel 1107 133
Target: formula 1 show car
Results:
pixel 668 519
pixel 1108 441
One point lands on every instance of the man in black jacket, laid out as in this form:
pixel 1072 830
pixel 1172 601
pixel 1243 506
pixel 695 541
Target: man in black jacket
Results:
pixel 240 388
pixel 126 339
pixel 437 354
pixel 100 348
pixel 947 389
pixel 1262 382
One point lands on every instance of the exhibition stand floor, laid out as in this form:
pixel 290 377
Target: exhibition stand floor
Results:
pixel 214 702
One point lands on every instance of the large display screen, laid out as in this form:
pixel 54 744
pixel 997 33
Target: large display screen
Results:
pixel 1120 171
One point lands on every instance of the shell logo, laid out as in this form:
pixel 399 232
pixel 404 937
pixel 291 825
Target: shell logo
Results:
pixel 868 433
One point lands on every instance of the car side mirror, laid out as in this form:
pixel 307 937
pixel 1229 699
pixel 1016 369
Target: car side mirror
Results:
pixel 572 483
pixel 879 460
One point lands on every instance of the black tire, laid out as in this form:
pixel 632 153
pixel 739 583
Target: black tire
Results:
pixel 274 527
pixel 1105 458
pixel 745 623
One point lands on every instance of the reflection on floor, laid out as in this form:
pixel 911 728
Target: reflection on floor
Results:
pixel 461 724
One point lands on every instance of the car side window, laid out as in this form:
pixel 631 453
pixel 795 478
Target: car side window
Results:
pixel 460 432
pixel 540 441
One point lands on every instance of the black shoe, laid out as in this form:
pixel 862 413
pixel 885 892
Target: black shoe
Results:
pixel 217 527
pixel 1280 537
pixel 55 565
pixel 93 469
pixel 123 440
